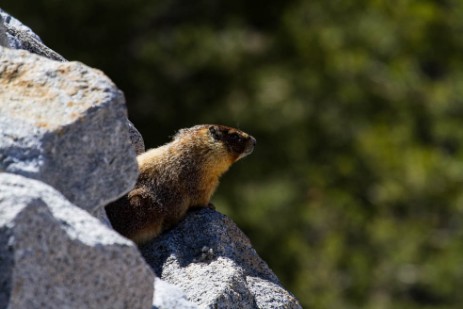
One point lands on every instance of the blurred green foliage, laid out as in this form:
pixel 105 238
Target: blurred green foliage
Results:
pixel 354 193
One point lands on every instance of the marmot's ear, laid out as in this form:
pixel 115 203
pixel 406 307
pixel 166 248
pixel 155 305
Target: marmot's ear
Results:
pixel 215 132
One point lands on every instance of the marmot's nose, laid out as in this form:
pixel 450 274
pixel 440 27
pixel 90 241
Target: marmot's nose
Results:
pixel 253 141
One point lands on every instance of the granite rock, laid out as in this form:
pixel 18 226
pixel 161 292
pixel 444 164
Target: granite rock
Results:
pixel 168 296
pixel 20 36
pixel 135 138
pixel 3 34
pixel 214 263
pixel 64 124
pixel 56 255
pixel 16 35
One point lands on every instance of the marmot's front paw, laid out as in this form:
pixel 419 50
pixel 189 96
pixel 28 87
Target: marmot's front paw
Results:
pixel 210 206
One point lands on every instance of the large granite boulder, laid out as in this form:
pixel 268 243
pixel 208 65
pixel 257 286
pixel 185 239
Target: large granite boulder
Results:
pixel 65 124
pixel 214 263
pixel 16 35
pixel 55 255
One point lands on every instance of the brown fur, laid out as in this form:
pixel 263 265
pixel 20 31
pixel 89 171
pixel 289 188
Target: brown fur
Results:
pixel 176 177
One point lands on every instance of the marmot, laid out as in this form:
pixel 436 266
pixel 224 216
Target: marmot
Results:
pixel 176 177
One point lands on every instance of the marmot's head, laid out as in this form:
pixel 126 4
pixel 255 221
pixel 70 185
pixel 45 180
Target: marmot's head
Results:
pixel 238 143
pixel 219 142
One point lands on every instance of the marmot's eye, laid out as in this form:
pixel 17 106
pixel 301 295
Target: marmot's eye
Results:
pixel 235 137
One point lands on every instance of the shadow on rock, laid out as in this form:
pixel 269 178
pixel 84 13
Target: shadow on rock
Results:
pixel 213 261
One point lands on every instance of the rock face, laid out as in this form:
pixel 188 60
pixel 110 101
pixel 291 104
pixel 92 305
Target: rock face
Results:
pixel 214 263
pixel 168 296
pixel 66 119
pixel 50 259
pixel 19 36
pixel 14 34
pixel 3 34
pixel 64 124
pixel 64 132
pixel 135 138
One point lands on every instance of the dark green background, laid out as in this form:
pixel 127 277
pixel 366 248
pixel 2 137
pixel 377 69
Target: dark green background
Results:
pixel 354 192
